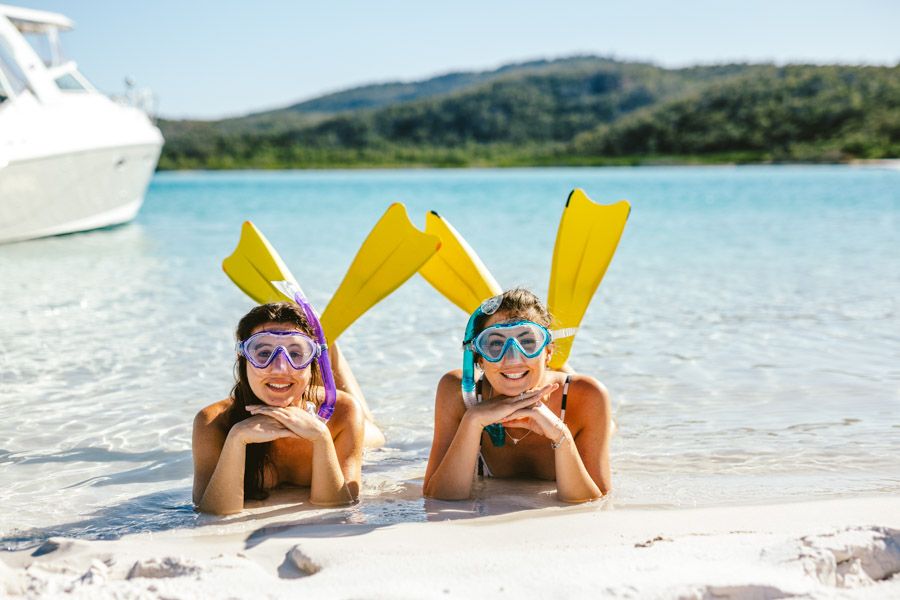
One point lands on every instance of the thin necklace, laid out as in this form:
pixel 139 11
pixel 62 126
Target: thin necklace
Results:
pixel 516 440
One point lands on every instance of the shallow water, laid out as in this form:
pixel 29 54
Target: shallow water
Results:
pixel 748 330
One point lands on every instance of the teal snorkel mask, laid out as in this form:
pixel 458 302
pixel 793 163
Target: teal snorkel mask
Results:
pixel 525 337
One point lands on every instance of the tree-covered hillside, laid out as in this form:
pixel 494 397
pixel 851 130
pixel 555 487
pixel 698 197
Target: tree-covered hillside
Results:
pixel 791 113
pixel 582 110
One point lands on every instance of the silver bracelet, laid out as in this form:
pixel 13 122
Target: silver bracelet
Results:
pixel 562 436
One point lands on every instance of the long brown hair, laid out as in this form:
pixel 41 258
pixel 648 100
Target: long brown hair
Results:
pixel 257 455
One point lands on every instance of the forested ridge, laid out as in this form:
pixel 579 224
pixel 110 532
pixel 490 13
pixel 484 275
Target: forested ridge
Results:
pixel 575 111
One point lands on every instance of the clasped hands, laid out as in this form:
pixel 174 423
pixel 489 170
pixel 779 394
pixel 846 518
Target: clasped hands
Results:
pixel 272 422
pixel 525 411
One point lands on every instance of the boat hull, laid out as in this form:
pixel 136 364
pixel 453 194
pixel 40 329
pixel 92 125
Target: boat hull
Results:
pixel 75 191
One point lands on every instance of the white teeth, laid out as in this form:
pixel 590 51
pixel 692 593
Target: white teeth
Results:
pixel 515 375
pixel 279 386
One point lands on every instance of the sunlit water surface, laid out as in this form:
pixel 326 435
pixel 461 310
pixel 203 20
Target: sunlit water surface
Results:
pixel 748 330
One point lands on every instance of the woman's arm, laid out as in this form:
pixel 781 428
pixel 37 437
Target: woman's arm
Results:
pixel 454 448
pixel 457 436
pixel 337 447
pixel 582 461
pixel 219 458
pixel 337 461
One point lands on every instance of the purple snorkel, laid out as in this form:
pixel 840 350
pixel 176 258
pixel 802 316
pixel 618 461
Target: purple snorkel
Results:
pixel 292 290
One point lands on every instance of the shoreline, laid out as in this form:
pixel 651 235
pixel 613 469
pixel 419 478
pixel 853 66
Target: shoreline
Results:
pixel 688 162
pixel 848 548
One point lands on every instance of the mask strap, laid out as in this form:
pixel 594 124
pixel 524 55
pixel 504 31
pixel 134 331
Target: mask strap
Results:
pixel 290 289
pixel 563 333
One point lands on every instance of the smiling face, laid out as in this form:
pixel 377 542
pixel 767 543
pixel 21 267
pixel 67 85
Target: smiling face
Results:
pixel 278 384
pixel 514 373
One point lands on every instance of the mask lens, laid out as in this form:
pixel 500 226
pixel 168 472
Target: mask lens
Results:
pixel 493 345
pixel 261 348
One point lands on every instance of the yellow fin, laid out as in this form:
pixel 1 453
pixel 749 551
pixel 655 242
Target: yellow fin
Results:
pixel 391 254
pixel 586 241
pixel 455 270
pixel 393 251
pixel 255 264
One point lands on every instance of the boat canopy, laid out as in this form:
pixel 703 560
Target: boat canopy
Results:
pixel 28 20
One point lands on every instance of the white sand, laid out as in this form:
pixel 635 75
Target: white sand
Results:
pixel 846 548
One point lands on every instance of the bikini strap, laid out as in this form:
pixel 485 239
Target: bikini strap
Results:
pixel 562 411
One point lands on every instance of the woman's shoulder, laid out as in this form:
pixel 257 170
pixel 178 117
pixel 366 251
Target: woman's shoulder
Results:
pixel 347 405
pixel 449 393
pixel 585 383
pixel 588 392
pixel 214 415
pixel 451 379
pixel 347 411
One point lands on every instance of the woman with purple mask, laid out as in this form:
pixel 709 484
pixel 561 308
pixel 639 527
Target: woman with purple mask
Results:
pixel 284 421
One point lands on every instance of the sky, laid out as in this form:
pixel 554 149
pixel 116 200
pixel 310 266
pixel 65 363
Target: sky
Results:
pixel 207 59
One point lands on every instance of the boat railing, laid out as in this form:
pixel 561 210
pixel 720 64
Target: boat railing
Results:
pixel 142 99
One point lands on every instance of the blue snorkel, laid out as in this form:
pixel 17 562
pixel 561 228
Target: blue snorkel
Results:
pixel 292 290
pixel 488 307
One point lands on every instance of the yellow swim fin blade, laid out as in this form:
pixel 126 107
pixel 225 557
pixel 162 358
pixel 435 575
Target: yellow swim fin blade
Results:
pixel 455 270
pixel 391 254
pixel 585 244
pixel 255 264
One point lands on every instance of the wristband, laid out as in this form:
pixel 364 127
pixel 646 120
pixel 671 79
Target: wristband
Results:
pixel 562 436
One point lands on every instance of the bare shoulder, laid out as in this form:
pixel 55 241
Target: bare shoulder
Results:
pixel 214 416
pixel 589 395
pixel 448 389
pixel 348 414
pixel 450 381
pixel 449 396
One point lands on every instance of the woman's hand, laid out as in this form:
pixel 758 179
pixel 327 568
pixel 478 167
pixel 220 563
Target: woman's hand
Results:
pixel 500 408
pixel 294 419
pixel 259 429
pixel 537 418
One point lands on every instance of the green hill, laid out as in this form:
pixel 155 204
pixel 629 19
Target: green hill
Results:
pixel 581 110
pixel 790 113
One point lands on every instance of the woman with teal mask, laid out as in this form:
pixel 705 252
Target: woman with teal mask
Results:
pixel 520 419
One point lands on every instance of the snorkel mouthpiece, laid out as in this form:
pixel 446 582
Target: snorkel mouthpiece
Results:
pixel 293 290
pixel 488 307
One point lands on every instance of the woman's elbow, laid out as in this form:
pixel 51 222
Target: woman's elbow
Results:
pixel 599 491
pixel 433 492
pixel 604 486
pixel 218 511
pixel 344 497
pixel 578 499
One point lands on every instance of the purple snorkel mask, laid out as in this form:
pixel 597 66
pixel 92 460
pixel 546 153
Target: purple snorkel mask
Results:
pixel 292 290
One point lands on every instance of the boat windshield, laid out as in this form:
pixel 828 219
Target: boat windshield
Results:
pixel 47 46
pixel 12 79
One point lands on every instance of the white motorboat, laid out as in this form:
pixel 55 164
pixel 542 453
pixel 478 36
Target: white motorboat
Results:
pixel 71 158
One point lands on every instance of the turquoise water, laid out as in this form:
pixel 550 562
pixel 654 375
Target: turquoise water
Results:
pixel 748 330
